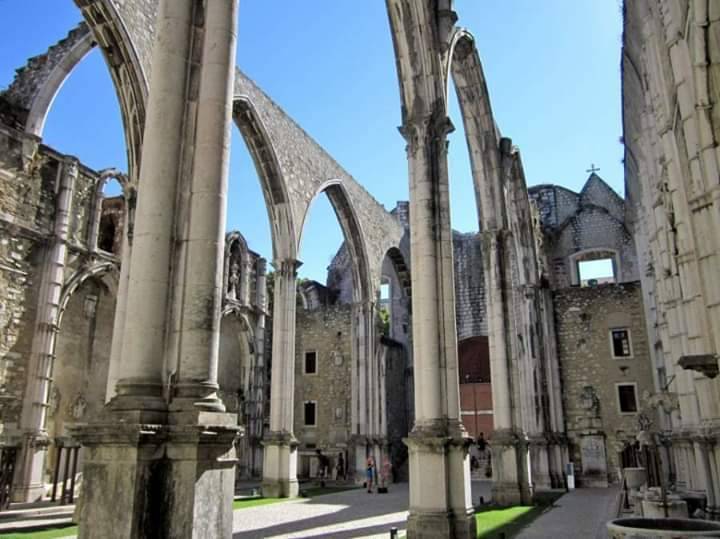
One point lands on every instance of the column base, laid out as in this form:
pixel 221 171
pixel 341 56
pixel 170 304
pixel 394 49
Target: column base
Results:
pixel 508 486
pixel 28 483
pixel 437 460
pixel 506 494
pixel 280 466
pixel 162 480
pixel 280 488
pixel 432 525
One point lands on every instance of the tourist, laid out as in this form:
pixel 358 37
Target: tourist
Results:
pixel 370 473
pixel 341 467
pixel 323 466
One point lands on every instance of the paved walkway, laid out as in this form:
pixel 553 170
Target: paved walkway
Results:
pixel 353 513
pixel 581 513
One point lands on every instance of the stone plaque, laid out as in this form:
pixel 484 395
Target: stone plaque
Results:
pixel 594 460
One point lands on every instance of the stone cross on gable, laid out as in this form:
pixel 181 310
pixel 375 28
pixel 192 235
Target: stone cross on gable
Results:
pixel 592 169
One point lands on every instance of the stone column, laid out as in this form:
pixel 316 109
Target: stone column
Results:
pixel 280 458
pixel 140 384
pixel 29 481
pixel 204 241
pixel 150 473
pixel 437 444
pixel 506 458
pixel 121 304
pixel 260 380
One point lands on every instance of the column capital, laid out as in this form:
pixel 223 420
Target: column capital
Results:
pixel 421 130
pixel 287 266
pixel 261 266
pixel 281 438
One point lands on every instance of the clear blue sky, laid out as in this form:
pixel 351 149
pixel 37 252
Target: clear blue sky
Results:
pixel 553 71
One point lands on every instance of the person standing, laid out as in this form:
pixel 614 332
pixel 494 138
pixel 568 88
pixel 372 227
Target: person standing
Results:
pixel 323 466
pixel 370 473
pixel 341 466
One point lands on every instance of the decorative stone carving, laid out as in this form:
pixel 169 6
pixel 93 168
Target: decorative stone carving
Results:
pixel 337 358
pixel 589 401
pixel 54 401
pixel 234 277
pixel 78 408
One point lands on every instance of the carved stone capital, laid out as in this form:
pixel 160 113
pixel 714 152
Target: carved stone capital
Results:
pixel 281 438
pixel 287 267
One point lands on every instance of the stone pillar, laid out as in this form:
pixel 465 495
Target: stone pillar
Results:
pixel 704 470
pixel 29 482
pixel 204 240
pixel 507 461
pixel 150 473
pixel 438 444
pixel 140 384
pixel 540 461
pixel 256 433
pixel 120 311
pixel 280 457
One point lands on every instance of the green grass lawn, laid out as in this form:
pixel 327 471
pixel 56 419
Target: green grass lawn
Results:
pixel 508 520
pixel 255 502
pixel 63 531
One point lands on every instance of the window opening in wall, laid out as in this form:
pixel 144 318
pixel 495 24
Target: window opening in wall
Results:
pixel 385 308
pixel 620 342
pixel 595 272
pixel 106 235
pixel 309 415
pixel 627 398
pixel 310 362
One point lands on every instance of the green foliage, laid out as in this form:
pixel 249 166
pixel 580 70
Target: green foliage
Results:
pixel 255 502
pixel 68 530
pixel 384 324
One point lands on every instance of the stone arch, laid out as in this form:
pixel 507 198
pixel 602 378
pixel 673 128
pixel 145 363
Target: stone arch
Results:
pixel 481 133
pixel 352 231
pixel 128 193
pixel 402 269
pixel 74 282
pixel 272 180
pixel 43 100
pixel 37 83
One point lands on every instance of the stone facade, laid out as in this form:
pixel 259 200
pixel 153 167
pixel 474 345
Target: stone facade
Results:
pixel 585 318
pixel 671 124
pixel 583 226
pixel 323 334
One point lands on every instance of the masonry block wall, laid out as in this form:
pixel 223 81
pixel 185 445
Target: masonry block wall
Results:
pixel 29 174
pixel 584 319
pixel 326 332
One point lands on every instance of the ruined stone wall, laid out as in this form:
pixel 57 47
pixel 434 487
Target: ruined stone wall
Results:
pixel 29 174
pixel 326 332
pixel 584 317
pixel 82 356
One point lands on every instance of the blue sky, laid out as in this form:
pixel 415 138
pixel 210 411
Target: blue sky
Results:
pixel 553 71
